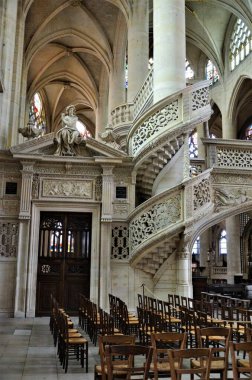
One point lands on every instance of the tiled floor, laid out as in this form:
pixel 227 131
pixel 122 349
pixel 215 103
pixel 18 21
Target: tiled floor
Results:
pixel 27 353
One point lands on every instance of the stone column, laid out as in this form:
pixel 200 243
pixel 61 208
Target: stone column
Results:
pixel 7 66
pixel 138 47
pixel 184 270
pixel 23 240
pixel 233 247
pixel 228 128
pixel 117 88
pixel 106 234
pixel 170 51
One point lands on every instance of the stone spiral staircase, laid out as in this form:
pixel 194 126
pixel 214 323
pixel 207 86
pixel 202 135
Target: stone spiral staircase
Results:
pixel 157 140
pixel 154 140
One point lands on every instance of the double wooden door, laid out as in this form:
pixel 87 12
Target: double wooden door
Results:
pixel 64 260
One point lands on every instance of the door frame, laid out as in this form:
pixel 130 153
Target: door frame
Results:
pixel 37 207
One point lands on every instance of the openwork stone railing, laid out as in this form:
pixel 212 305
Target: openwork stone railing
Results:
pixel 123 114
pixel 185 107
pixel 154 216
pixel 198 194
pixel 144 95
pixel 229 154
pixel 219 270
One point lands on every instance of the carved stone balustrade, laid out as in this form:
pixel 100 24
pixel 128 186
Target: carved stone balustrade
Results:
pixel 219 270
pixel 151 221
pixel 229 154
pixel 144 97
pixel 122 115
pixel 184 108
pixel 197 167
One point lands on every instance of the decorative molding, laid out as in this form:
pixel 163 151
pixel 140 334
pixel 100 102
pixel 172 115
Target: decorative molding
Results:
pixel 8 238
pixel 67 188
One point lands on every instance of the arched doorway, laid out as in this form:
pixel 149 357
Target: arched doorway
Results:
pixel 64 256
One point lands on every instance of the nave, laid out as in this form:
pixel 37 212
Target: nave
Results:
pixel 27 352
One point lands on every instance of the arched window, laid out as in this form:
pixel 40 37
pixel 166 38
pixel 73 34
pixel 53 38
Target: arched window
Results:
pixel 189 73
pixel 196 247
pixel 193 145
pixel 83 130
pixel 223 242
pixel 37 112
pixel 240 45
pixel 248 132
pixel 126 79
pixel 211 72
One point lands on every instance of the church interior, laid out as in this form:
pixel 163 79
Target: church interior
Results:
pixel 125 167
pixel 125 151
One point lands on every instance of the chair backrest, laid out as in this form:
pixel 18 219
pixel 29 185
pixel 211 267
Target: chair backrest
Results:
pixel 105 340
pixel 179 362
pixel 241 354
pixel 138 369
pixel 162 342
pixel 218 339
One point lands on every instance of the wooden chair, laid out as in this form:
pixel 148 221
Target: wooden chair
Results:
pixel 218 339
pixel 241 354
pixel 179 362
pixel 161 343
pixel 132 368
pixel 71 344
pixel 100 370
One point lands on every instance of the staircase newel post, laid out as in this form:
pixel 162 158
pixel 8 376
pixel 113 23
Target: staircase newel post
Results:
pixel 186 168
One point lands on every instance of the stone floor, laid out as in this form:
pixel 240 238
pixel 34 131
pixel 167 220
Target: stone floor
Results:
pixel 27 353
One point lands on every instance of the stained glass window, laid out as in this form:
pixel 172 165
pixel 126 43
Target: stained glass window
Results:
pixel 37 112
pixel 193 145
pixel 189 73
pixel 223 242
pixel 248 133
pixel 83 130
pixel 241 43
pixel 211 72
pixel 196 247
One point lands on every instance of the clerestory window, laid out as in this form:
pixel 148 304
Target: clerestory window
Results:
pixel 240 45
pixel 37 112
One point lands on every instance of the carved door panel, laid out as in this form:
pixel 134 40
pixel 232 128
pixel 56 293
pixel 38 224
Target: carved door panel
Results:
pixel 64 260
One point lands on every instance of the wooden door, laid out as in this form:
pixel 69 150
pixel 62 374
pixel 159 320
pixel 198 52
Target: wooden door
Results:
pixel 64 260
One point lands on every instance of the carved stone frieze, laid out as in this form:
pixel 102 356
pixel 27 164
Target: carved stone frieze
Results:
pixel 232 179
pixel 67 188
pixel 158 217
pixel 154 124
pixel 230 198
pixel 8 239
pixel 201 194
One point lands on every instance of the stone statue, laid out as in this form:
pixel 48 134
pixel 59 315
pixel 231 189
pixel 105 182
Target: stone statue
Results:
pixel 68 137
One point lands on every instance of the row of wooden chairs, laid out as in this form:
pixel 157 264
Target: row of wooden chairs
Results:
pixel 94 320
pixel 168 349
pixel 69 341
pixel 125 321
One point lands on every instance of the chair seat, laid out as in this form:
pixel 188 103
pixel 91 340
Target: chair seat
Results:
pixel 80 340
pixel 215 364
pixel 243 363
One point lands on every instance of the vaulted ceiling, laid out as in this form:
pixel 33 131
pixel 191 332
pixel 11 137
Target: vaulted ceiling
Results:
pixel 70 46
